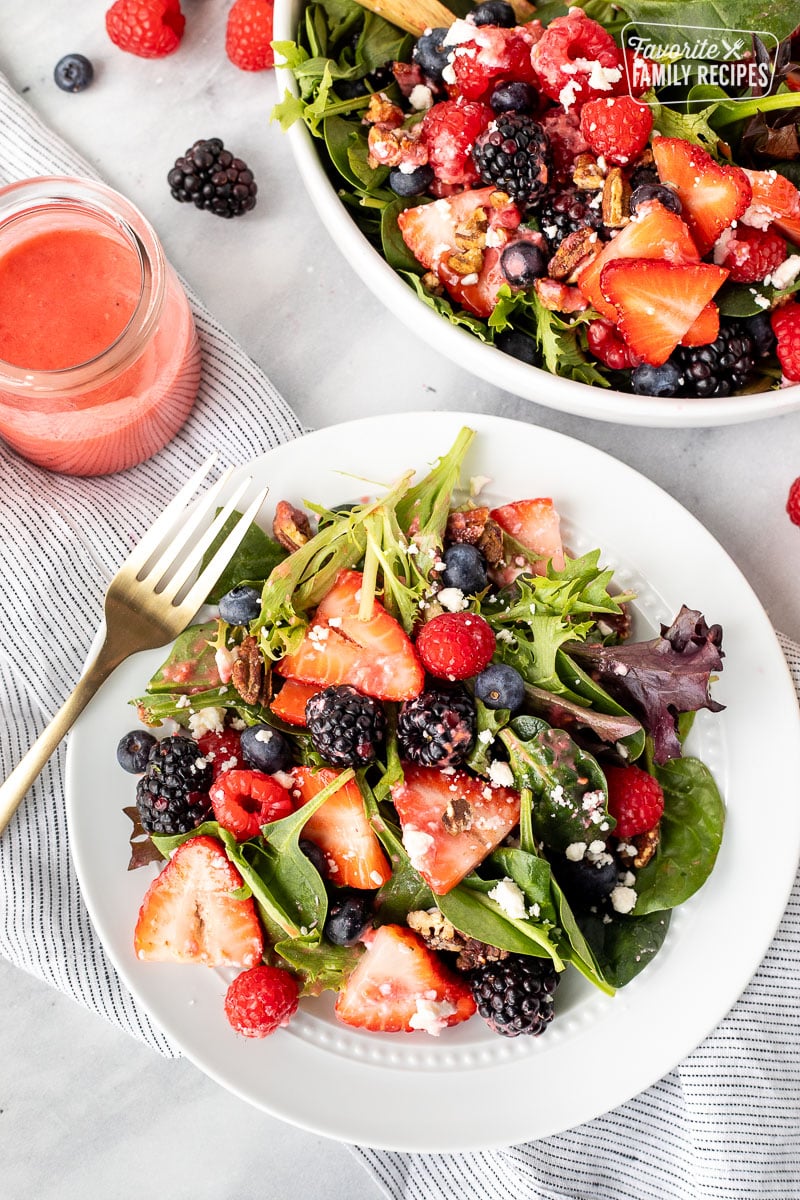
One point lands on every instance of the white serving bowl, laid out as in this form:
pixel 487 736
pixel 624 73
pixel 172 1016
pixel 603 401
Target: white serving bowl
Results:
pixel 468 351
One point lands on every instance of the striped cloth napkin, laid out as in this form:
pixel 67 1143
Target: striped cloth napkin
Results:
pixel 724 1125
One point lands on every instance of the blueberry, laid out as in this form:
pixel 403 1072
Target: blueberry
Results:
pixel 265 749
pixel 586 883
pixel 134 749
pixel 349 89
pixel 513 97
pixel 464 568
pixel 760 330
pixel 656 191
pixel 647 380
pixel 411 183
pixel 240 605
pixel 348 916
pixel 500 686
pixel 314 855
pixel 73 73
pixel 493 12
pixel 430 54
pixel 518 345
pixel 643 175
pixel 522 263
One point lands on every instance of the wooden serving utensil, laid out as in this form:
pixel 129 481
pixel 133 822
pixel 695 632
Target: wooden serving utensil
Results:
pixel 415 16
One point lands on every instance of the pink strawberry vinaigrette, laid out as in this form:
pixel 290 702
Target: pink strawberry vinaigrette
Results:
pixel 99 358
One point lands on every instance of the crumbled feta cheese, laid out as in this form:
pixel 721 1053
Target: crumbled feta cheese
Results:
pixel 376 878
pixel 421 99
pixel 511 899
pixel 453 599
pixel 417 844
pixel 469 280
pixel 478 482
pixel 183 702
pixel 500 774
pixel 575 851
pixel 623 899
pixel 224 659
pixel 567 94
pixel 238 723
pixel 264 735
pixel 431 1015
pixel 448 74
pixel 596 847
pixel 786 272
pixel 335 622
pixel 486 736
pixel 208 720
pixel 505 635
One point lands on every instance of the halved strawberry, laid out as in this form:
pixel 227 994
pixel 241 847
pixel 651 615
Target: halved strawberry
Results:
pixel 374 656
pixel 705 330
pixel 430 804
pixel 537 526
pixel 658 302
pixel 342 831
pixel 400 986
pixel 290 702
pixel 713 197
pixel 189 915
pixel 655 232
pixel 775 201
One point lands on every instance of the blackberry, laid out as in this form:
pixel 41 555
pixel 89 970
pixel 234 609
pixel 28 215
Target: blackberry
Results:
pixel 172 795
pixel 437 728
pixel 209 176
pixel 349 914
pixel 515 995
pixel 346 727
pixel 561 213
pixel 720 368
pixel 514 155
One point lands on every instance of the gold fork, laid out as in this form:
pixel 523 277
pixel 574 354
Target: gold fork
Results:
pixel 144 607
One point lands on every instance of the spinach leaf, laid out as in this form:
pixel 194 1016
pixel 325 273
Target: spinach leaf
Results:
pixel 380 43
pixel 490 721
pixel 691 835
pixel 254 560
pixel 406 891
pixel 532 876
pixel 758 15
pixel 474 913
pixel 155 707
pixel 575 948
pixel 321 965
pixel 395 251
pixel 625 946
pixel 748 300
pixel 166 844
pixel 560 343
pixel 627 731
pixel 191 665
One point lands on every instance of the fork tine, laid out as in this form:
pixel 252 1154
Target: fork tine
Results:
pixel 161 527
pixel 208 577
pixel 182 538
pixel 195 556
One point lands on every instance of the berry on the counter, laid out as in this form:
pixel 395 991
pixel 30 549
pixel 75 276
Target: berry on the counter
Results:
pixel 260 1000
pixel 340 829
pixel 513 153
pixel 456 645
pixel 647 380
pixel 653 190
pixel 635 800
pixel 265 749
pixel 519 345
pixel 464 568
pixel 793 502
pixel 713 197
pixel 209 177
pixel 147 28
pixel 248 35
pixel 720 368
pixel 346 727
pixel 411 183
pixel 493 12
pixel 449 131
pixel 515 996
pixel 172 795
pixel 349 914
pixel 514 96
pixel 617 128
pixel 750 254
pixel 430 53
pixel 522 263
pixel 786 327
pixel 190 915
pixel 222 750
pixel 133 751
pixel 73 73
pixel 240 605
pixel 243 801
pixel 500 686
pixel 589 880
pixel 437 729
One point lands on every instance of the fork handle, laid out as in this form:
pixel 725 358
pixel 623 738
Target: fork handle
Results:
pixel 19 782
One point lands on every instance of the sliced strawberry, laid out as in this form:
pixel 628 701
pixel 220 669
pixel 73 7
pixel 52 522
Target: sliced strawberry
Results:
pixel 342 831
pixel 658 302
pixel 705 330
pixel 713 197
pixel 290 702
pixel 655 232
pixel 493 53
pixel 189 915
pixel 374 656
pixel 400 986
pixel 775 201
pixel 537 526
pixel 430 804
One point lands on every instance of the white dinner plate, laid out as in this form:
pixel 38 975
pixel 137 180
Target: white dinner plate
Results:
pixel 471 1088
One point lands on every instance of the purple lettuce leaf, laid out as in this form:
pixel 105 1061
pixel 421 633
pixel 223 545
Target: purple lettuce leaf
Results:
pixel 659 679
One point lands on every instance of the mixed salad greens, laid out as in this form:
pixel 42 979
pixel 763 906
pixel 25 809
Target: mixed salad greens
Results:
pixel 387 113
pixel 491 806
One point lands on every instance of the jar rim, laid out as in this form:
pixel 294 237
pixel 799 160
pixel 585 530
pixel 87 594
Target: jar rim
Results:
pixel 61 192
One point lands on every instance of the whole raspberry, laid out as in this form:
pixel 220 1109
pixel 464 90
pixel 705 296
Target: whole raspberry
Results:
pixel 248 37
pixel 149 28
pixel 793 502
pixel 786 327
pixel 456 645
pixel 617 128
pixel 495 53
pixel 750 254
pixel 577 60
pixel 243 801
pixel 606 345
pixel 449 131
pixel 635 800
pixel 260 1000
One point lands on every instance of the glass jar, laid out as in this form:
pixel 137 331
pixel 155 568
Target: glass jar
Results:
pixel 99 357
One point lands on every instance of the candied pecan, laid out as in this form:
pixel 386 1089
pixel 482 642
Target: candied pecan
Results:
pixel 490 543
pixel 587 175
pixel 466 526
pixel 389 147
pixel 381 111
pixel 636 851
pixel 558 297
pixel 470 237
pixel 574 252
pixel 249 677
pixel 440 934
pixel 290 526
pixel 457 817
pixel 432 283
pixel 616 199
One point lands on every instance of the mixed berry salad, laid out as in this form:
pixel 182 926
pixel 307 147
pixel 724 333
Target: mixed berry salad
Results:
pixel 536 182
pixel 418 759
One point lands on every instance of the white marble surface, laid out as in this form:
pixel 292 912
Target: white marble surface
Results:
pixel 84 1111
